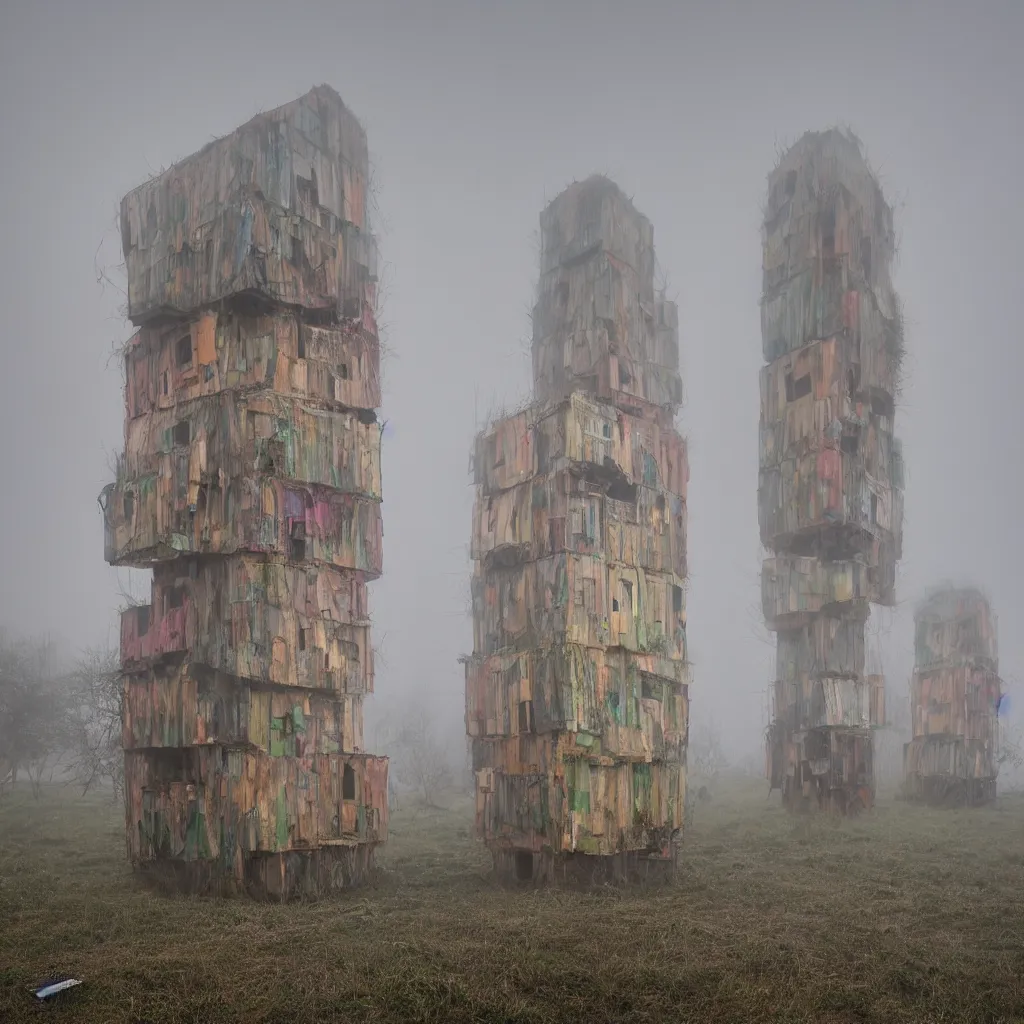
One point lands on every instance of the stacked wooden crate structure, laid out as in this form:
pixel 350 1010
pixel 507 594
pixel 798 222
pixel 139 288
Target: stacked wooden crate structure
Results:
pixel 954 700
pixel 830 491
pixel 250 485
pixel 577 689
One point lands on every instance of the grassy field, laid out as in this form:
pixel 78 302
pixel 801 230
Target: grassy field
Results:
pixel 907 914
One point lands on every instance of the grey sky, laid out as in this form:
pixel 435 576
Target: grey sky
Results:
pixel 477 114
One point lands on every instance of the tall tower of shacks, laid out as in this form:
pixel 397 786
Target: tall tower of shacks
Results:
pixel 250 484
pixel 577 690
pixel 954 700
pixel 830 490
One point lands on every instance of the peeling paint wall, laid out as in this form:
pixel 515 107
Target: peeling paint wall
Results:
pixel 577 691
pixel 830 488
pixel 250 483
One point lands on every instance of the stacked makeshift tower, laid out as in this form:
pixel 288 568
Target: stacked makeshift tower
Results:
pixel 830 491
pixel 954 700
pixel 576 693
pixel 250 484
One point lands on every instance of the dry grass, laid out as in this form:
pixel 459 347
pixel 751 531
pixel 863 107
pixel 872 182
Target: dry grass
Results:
pixel 908 914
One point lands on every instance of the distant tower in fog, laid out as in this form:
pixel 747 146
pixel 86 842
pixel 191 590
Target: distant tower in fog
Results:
pixel 954 700
pixel 577 695
pixel 830 488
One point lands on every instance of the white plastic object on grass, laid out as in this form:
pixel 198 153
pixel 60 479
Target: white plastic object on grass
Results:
pixel 58 986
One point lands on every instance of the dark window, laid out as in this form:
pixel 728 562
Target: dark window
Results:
pixel 874 508
pixel 526 716
pixel 174 597
pixel 142 620
pixel 622 491
pixel 165 381
pixel 168 764
pixel 296 250
pixel 348 784
pixel 129 505
pixel 850 443
pixel 308 190
pixel 302 344
pixel 797 388
pixel 677 599
pixel 297 549
pixel 828 231
pixel 343 371
pixel 524 865
pixel 625 378
pixel 650 689
pixel 302 639
pixel 615 604
pixel 183 350
pixel 182 434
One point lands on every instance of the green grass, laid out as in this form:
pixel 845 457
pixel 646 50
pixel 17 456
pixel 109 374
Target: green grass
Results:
pixel 907 914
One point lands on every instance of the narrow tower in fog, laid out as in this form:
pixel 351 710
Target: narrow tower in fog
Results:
pixel 577 690
pixel 954 700
pixel 830 489
pixel 250 485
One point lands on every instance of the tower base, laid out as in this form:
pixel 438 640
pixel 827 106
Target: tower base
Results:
pixel 295 874
pixel 949 790
pixel 816 795
pixel 581 870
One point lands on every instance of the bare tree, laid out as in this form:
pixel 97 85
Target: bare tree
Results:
pixel 418 757
pixel 95 698
pixel 34 723
pixel 706 754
